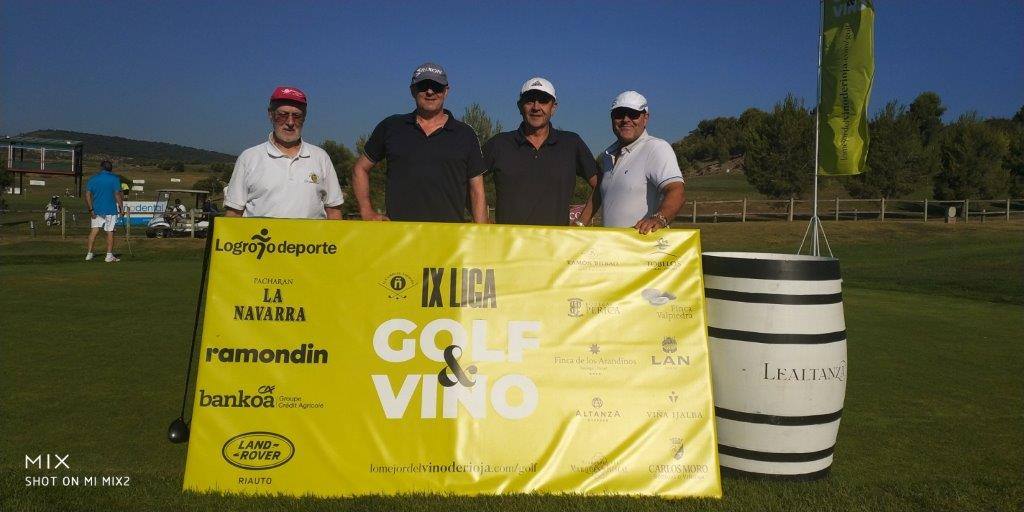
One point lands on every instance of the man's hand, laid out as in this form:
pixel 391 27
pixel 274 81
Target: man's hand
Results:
pixel 651 224
pixel 372 215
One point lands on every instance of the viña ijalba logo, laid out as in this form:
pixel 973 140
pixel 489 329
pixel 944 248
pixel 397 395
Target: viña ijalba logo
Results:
pixel 262 243
pixel 258 450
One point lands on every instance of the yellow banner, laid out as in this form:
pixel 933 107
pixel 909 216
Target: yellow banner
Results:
pixel 345 358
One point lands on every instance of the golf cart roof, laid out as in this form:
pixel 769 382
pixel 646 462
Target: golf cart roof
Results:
pixel 182 190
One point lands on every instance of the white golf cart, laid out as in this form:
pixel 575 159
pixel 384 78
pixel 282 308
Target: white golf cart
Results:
pixel 171 217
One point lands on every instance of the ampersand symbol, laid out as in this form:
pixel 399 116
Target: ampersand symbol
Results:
pixel 453 362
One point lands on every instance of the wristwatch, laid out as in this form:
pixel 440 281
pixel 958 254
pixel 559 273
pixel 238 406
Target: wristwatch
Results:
pixel 580 224
pixel 661 218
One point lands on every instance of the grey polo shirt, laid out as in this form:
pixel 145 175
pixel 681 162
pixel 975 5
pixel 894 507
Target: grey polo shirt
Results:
pixel 633 178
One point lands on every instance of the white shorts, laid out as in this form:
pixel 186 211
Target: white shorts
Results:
pixel 104 221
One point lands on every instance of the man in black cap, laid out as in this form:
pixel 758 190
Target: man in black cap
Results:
pixel 434 160
pixel 535 167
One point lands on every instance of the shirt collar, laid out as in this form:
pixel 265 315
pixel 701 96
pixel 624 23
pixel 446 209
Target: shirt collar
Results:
pixel 520 135
pixel 275 152
pixel 449 125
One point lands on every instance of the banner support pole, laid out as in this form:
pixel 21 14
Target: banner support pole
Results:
pixel 815 224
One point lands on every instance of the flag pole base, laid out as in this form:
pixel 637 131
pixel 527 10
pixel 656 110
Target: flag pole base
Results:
pixel 817 232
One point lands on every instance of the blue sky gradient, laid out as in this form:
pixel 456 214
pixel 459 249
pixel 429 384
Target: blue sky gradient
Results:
pixel 199 74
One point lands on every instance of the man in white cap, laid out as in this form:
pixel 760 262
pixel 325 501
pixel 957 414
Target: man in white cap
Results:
pixel 640 184
pixel 284 177
pixel 434 160
pixel 535 166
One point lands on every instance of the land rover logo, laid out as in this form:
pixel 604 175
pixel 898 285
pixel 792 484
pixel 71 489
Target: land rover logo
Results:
pixel 258 450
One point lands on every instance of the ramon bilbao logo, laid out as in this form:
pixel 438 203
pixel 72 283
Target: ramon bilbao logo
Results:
pixel 258 450
pixel 262 243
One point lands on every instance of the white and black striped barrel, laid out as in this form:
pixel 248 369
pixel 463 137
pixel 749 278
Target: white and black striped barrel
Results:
pixel 777 338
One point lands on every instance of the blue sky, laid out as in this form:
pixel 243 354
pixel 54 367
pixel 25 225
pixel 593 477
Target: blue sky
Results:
pixel 200 73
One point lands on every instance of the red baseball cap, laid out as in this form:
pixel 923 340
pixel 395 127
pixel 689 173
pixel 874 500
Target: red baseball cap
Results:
pixel 288 94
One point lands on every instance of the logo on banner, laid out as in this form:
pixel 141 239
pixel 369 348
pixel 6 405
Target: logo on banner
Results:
pixel 579 308
pixel 397 285
pixel 836 372
pixel 305 354
pixel 597 413
pixel 258 450
pixel 661 258
pixel 261 243
pixel 677 448
pixel 591 258
pixel 669 346
pixel 263 398
pixel 656 297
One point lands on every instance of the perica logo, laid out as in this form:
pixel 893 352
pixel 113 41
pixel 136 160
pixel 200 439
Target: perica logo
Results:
pixel 258 450
pixel 261 243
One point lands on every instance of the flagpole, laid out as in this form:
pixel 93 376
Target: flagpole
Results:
pixel 815 225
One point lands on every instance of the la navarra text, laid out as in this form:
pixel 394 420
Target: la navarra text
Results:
pixel 271 309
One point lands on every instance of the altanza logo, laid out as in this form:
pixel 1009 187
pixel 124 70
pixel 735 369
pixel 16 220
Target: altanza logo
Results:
pixel 262 243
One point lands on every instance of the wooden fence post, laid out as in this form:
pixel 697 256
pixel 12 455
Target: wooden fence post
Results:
pixel 1007 208
pixel 926 209
pixel 883 209
pixel 791 202
pixel 694 220
pixel 743 218
pixel 967 210
pixel 837 208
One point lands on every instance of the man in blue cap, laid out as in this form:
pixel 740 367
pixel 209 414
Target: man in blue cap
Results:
pixel 105 202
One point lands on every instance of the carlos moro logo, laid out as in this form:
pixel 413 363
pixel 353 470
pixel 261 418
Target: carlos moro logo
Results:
pixel 264 398
pixel 262 243
pixel 258 450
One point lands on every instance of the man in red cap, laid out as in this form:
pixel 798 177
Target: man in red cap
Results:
pixel 284 177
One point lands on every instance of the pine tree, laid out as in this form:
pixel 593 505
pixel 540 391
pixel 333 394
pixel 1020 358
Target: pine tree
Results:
pixel 780 151
pixel 898 162
pixel 971 157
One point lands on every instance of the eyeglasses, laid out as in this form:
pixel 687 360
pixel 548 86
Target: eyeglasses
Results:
pixel 429 84
pixel 620 113
pixel 282 117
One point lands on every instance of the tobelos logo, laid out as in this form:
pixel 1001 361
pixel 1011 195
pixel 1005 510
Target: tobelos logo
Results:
pixel 258 450
pixel 261 243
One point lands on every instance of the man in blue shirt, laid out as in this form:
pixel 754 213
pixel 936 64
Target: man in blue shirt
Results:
pixel 105 202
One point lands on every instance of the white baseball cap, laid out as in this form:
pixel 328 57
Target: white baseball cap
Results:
pixel 631 100
pixel 538 84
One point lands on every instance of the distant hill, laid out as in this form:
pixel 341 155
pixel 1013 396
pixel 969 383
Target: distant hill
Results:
pixel 143 151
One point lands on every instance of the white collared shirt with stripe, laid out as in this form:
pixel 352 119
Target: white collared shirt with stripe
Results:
pixel 267 183
pixel 632 179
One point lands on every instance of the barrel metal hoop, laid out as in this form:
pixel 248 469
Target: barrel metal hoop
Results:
pixel 789 270
pixel 771 419
pixel 774 338
pixel 773 298
pixel 742 453
pixel 803 477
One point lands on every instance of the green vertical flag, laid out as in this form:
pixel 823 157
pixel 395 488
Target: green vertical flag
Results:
pixel 847 72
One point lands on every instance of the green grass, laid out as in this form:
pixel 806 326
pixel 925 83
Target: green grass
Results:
pixel 92 355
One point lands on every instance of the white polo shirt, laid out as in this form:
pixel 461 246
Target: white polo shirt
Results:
pixel 266 183
pixel 632 179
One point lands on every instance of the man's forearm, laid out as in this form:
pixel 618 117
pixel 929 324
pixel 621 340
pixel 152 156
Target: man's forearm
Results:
pixel 478 200
pixel 673 201
pixel 361 185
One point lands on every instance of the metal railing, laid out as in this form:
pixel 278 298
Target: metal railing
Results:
pixel 744 210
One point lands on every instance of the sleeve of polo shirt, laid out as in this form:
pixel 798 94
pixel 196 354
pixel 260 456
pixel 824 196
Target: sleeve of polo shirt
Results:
pixel 374 149
pixel 662 166
pixel 238 190
pixel 332 189
pixel 586 164
pixel 475 159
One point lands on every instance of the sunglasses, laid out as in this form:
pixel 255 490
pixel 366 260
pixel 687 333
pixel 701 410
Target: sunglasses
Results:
pixel 538 97
pixel 620 113
pixel 282 117
pixel 431 85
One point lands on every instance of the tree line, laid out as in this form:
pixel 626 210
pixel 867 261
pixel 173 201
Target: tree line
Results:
pixel 911 150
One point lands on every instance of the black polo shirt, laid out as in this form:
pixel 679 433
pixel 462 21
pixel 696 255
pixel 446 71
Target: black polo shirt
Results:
pixel 534 186
pixel 427 177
